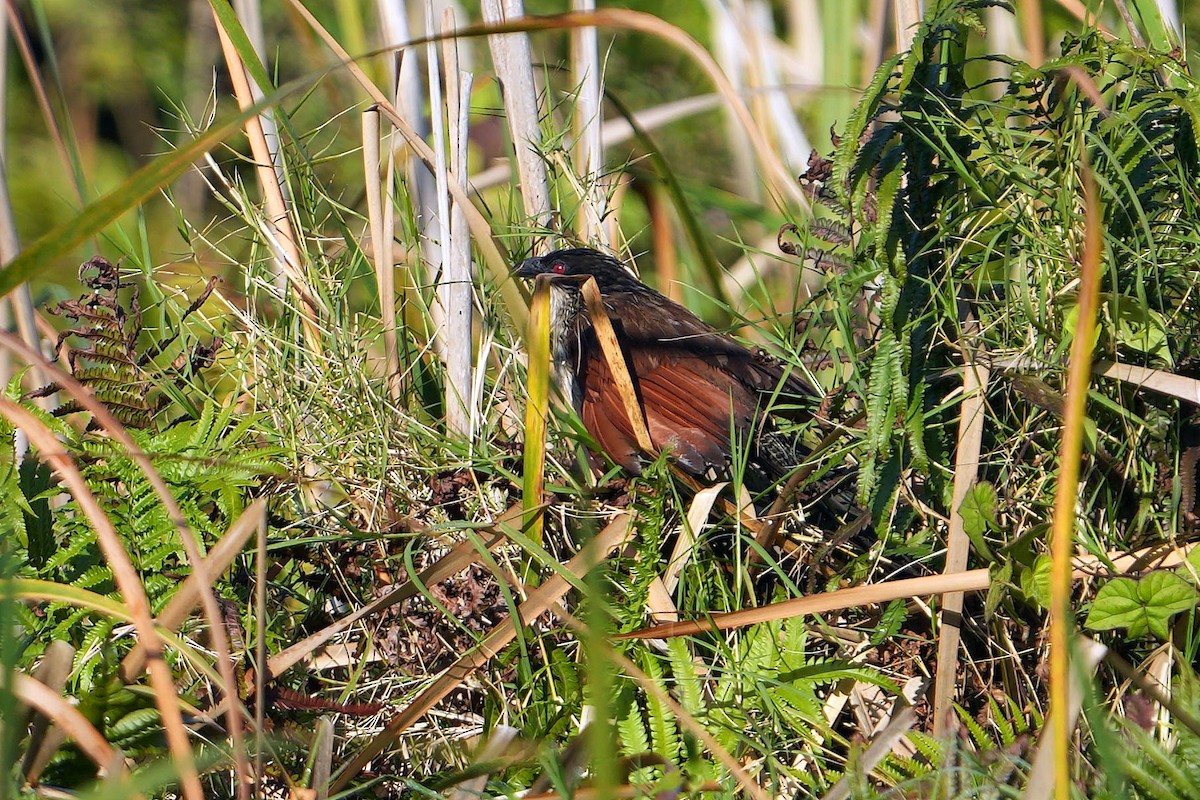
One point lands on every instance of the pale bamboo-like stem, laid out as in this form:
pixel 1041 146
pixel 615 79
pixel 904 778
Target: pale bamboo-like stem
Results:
pixel 459 275
pixel 249 13
pixel 480 228
pixel 447 333
pixel 874 38
pixel 958 544
pixel 407 96
pixel 907 15
pixel 729 48
pixel 1044 774
pixel 794 145
pixel 1029 13
pixel 128 583
pixel 381 250
pixel 18 305
pixel 282 237
pixel 975 580
pixel 514 66
pixel 589 122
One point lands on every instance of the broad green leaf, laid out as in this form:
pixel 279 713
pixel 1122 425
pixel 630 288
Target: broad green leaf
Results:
pixel 1138 327
pixel 998 587
pixel 1141 606
pixel 1035 582
pixel 978 512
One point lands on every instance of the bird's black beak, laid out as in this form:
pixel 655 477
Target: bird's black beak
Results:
pixel 529 268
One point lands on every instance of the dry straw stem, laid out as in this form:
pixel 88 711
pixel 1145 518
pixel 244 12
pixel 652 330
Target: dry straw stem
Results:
pixel 381 247
pixel 460 367
pixel 191 543
pixel 539 600
pixel 879 748
pixel 56 707
pixel 615 358
pixel 454 334
pixel 589 146
pixel 958 545
pixel 1070 453
pixel 1045 774
pixel 975 580
pixel 1030 15
pixel 45 738
pixel 128 583
pixel 1168 383
pixel 288 257
pixel 322 755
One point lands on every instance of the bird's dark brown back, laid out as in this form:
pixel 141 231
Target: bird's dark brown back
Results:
pixel 702 393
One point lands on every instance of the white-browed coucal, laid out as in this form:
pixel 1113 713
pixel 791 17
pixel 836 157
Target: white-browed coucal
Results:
pixel 702 393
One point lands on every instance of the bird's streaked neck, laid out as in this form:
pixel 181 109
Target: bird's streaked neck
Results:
pixel 565 305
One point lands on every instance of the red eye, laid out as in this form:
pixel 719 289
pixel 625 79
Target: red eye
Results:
pixel 558 267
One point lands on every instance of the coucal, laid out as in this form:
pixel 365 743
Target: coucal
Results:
pixel 702 393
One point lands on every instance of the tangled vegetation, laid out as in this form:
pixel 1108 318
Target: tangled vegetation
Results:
pixel 250 540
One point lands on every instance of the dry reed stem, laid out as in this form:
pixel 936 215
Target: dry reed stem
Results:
pixel 45 737
pixel 1168 383
pixel 975 580
pixel 322 749
pixel 480 227
pixel 1029 13
pixel 513 63
pixel 128 583
pixel 908 15
pixel 615 358
pixel 1065 499
pixel 282 237
pixel 879 748
pixel 1045 775
pixel 958 545
pixel 454 284
pixel 381 248
pixel 539 600
pixel 588 124
pixel 54 706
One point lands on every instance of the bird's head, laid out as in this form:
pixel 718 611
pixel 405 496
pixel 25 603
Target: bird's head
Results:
pixel 579 263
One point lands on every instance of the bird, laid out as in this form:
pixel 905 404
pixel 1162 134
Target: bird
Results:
pixel 702 393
